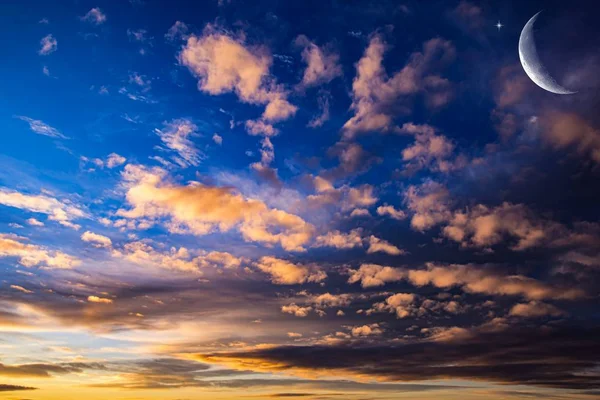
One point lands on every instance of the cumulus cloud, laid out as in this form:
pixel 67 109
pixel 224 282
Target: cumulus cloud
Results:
pixel 41 128
pixel 144 254
pixel 179 30
pixel 393 213
pixel 430 150
pixel 114 160
pixel 372 275
pixel 296 310
pixel 322 65
pixel 176 136
pixel 485 281
pixel 340 240
pixel 535 309
pixel 96 240
pixel 200 209
pixel 375 95
pixel 30 255
pixel 94 16
pixel 49 45
pixel 366 330
pixel 377 245
pixel 569 131
pixel 224 63
pixel 284 272
pixel 217 139
pixel 61 211
pixel 101 300
pixel 318 120
pixel 34 222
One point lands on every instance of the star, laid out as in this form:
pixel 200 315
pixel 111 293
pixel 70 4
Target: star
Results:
pixel 499 25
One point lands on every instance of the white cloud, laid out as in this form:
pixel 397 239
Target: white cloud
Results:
pixel 60 211
pixel 398 215
pixel 176 136
pixel 284 272
pixel 94 16
pixel 322 65
pixel 34 222
pixel 372 275
pixel 217 139
pixel 49 45
pixel 30 255
pixel 41 128
pixel 377 245
pixel 96 240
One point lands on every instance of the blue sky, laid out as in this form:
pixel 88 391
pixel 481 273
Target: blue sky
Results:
pixel 297 199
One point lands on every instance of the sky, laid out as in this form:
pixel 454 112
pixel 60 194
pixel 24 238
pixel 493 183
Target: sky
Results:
pixel 313 199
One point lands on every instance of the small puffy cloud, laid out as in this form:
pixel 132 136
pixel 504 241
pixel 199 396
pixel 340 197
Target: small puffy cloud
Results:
pixel 318 120
pixel 144 254
pixel 30 255
pixel 137 35
pixel 400 304
pixel 331 300
pixel 49 45
pixel 60 211
pixel 379 245
pixel 217 139
pixel 484 281
pixel 94 16
pixel 21 289
pixel 284 272
pixel 34 222
pixel 376 96
pixel 535 309
pixel 141 81
pixel 296 310
pixel 430 151
pixel 340 240
pixel 322 65
pixel 224 63
pixel 114 160
pixel 96 240
pixel 372 275
pixel 429 204
pixel 570 131
pixel 366 330
pixel 45 70
pixel 179 30
pixel 201 209
pixel 294 335
pixel 259 127
pixel 398 215
pixel 101 300
pixel 176 136
pixel 41 128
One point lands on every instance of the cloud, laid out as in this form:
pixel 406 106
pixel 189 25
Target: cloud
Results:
pixel 372 275
pixel 429 203
pixel 224 63
pixel 535 309
pixel 179 259
pixel 400 303
pixel 42 128
pixel 556 357
pixel 114 160
pixel 138 35
pixel 101 300
pixel 340 240
pixel 14 388
pixel 322 65
pixel 179 30
pixel 217 139
pixel 375 96
pixel 176 136
pixel 94 16
pixel 486 281
pixel 30 255
pixel 296 310
pixel 569 131
pixel 96 240
pixel 379 245
pixel 49 45
pixel 61 211
pixel 21 289
pixel 284 272
pixel 200 209
pixel 318 120
pixel 367 330
pixel 429 151
pixel 398 215
pixel 34 222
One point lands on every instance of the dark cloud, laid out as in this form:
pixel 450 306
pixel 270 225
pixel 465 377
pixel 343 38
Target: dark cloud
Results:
pixel 560 357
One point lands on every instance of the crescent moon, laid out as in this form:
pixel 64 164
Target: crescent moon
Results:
pixel 532 64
